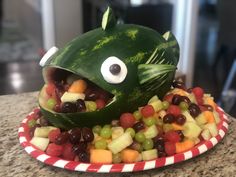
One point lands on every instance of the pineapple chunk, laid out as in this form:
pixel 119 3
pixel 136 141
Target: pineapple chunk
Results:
pixel 116 132
pixel 191 130
pixel 206 135
pixel 212 128
pixel 72 97
pixel 43 131
pixel 201 119
pixel 39 142
pixel 120 143
pixel 149 154
pixel 216 116
pixel 151 132
pixel 189 118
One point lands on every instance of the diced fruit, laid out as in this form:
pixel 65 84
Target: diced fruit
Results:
pixel 147 111
pixel 165 105
pixel 194 110
pixel 127 120
pixel 170 148
pixel 212 128
pixel 68 107
pixel 172 136
pixel 70 79
pixel 106 132
pixel 78 86
pixel 180 92
pixel 168 98
pixel 153 99
pixel 149 154
pixel 188 117
pixel 167 127
pixel 97 129
pixel 32 123
pixel 72 97
pixel 116 158
pixel 201 119
pixel 191 130
pixel 51 103
pixel 177 126
pixel 43 131
pixel 50 89
pixel 54 149
pixel 209 116
pixel 169 118
pixel 131 131
pixel 209 100
pixel 183 106
pixel 198 92
pixel 100 156
pixel 87 134
pixel 74 135
pixel 176 99
pixel 149 121
pixel 184 146
pixel 148 144
pixel 137 115
pixel 90 106
pixel 180 119
pixel 129 155
pixel 101 144
pixel 206 135
pixel 120 143
pixel 138 126
pixel 62 138
pixel 192 98
pixel 52 135
pixel 173 109
pixel 136 146
pixel 179 84
pixel 100 103
pixel 116 132
pixel 217 117
pixel 151 132
pixel 140 137
pixel 157 105
pixel 67 152
pixel 39 142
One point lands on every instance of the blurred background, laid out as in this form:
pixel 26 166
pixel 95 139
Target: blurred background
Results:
pixel 205 29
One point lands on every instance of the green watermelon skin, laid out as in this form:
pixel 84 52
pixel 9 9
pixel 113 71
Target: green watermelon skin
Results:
pixel 84 56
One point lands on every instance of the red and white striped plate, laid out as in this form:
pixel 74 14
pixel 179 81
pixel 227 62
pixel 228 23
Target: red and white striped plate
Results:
pixel 202 147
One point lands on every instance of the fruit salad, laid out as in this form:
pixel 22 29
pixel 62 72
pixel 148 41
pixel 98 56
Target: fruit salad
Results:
pixel 161 128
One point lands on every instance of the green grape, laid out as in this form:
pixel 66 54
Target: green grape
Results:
pixel 101 144
pixel 106 132
pixel 116 158
pixel 97 129
pixel 167 127
pixel 183 106
pixel 149 121
pixel 139 137
pixel 148 144
pixel 51 103
pixel 107 126
pixel 137 115
pixel 131 131
pixel 90 106
pixel 32 123
pixel 165 105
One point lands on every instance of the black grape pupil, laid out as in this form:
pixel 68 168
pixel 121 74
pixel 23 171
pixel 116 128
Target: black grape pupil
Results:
pixel 115 69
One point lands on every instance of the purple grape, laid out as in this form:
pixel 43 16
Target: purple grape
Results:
pixel 80 147
pixel 194 110
pixel 68 107
pixel 138 126
pixel 87 134
pixel 74 135
pixel 168 118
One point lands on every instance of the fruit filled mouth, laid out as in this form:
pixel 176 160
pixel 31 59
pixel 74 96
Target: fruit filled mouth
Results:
pixel 66 92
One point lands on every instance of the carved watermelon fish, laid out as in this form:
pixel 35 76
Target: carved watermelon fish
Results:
pixel 147 62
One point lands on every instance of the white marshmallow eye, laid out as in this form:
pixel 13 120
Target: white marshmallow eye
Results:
pixel 114 70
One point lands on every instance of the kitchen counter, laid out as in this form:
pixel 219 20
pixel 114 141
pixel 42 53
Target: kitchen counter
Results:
pixel 220 161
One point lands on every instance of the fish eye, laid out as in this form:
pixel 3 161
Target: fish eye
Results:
pixel 114 70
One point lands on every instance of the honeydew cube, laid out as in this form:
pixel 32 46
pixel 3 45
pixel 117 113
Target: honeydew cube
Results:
pixel 72 97
pixel 206 135
pixel 153 99
pixel 212 128
pixel 157 105
pixel 189 118
pixel 151 132
pixel 191 130
pixel 149 154
pixel 216 116
pixel 39 142
pixel 120 143
pixel 43 131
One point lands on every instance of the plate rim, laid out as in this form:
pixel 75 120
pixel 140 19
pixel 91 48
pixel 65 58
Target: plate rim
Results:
pixel 121 167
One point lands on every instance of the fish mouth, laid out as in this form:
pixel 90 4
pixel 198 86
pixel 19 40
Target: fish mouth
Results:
pixel 63 79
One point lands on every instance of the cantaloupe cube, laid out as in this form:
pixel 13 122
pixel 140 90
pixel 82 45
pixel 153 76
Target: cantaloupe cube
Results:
pixel 100 156
pixel 129 156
